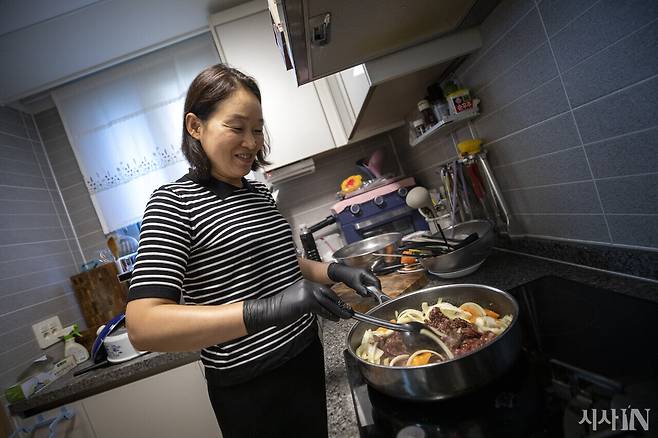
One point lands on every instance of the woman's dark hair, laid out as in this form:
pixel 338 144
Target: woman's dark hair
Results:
pixel 208 90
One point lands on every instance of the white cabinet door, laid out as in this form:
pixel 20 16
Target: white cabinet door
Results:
pixel 172 404
pixel 346 94
pixel 294 118
pixel 356 83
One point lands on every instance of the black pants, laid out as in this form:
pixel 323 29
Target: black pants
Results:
pixel 288 401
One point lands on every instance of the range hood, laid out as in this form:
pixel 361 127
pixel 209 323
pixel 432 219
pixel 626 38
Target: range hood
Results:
pixel 375 58
pixel 328 36
pixel 395 83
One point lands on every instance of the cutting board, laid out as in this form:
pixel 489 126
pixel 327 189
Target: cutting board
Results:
pixel 392 285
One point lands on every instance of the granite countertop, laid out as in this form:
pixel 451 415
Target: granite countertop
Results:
pixel 69 388
pixel 503 270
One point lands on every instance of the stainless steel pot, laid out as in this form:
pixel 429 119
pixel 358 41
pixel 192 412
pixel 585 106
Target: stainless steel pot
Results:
pixel 469 256
pixel 453 377
pixel 360 254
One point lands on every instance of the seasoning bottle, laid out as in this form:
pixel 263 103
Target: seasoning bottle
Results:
pixel 428 114
pixel 308 243
pixel 419 127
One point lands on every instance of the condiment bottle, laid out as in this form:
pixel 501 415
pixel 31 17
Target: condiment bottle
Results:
pixel 419 127
pixel 428 114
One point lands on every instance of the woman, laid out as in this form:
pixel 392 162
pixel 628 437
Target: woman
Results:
pixel 218 241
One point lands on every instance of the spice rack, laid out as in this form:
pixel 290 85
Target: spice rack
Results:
pixel 451 124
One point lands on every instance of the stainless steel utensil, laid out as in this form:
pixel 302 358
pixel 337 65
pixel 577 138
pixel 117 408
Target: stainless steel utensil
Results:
pixel 378 294
pixel 360 254
pixel 467 256
pixel 453 377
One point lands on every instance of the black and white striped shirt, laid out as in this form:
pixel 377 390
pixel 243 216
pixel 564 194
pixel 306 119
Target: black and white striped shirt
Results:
pixel 219 244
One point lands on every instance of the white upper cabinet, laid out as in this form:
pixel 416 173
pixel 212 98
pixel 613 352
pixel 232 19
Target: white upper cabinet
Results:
pixel 294 118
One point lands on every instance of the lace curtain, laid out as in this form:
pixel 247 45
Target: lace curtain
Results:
pixel 125 126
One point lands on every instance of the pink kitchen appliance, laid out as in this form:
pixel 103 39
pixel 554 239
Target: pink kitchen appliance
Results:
pixel 377 208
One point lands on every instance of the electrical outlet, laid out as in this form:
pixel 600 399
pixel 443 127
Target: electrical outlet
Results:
pixel 46 331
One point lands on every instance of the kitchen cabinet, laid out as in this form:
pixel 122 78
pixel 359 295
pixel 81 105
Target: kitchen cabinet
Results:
pixel 344 95
pixel 172 404
pixel 295 121
pixel 378 95
pixel 328 36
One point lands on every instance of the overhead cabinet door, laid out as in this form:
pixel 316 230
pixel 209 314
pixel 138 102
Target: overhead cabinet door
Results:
pixel 294 118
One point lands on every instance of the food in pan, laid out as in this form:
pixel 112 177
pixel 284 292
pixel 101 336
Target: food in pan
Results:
pixel 460 330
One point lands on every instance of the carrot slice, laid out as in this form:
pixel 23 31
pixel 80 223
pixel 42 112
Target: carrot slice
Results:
pixel 421 359
pixel 491 313
pixel 406 260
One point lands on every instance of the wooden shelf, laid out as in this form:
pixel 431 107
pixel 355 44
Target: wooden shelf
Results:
pixel 456 122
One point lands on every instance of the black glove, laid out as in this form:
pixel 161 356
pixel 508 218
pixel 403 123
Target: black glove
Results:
pixel 288 305
pixel 356 278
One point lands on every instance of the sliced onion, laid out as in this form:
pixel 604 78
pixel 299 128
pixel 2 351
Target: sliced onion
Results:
pixel 410 315
pixel 467 307
pixel 397 359
pixel 431 333
pixel 453 312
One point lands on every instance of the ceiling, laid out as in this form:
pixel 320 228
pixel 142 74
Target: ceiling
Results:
pixel 45 43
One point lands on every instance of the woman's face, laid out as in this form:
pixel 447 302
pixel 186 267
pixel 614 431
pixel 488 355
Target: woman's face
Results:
pixel 232 135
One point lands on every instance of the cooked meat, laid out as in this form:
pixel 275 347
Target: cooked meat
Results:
pixel 462 337
pixel 393 346
pixel 471 344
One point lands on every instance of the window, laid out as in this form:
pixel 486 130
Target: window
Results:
pixel 125 126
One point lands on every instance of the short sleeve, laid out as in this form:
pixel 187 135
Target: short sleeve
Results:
pixel 262 188
pixel 164 248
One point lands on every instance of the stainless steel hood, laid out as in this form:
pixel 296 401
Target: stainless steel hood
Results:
pixel 329 36
pixel 397 82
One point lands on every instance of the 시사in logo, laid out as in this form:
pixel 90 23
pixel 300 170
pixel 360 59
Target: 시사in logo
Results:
pixel 620 419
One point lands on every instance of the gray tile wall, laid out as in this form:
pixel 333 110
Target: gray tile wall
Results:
pixel 308 199
pixel 569 96
pixel 36 255
pixel 71 184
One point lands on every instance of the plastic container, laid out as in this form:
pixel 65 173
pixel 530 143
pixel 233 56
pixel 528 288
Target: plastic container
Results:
pixel 72 348
pixel 467 147
pixel 460 101
pixel 441 110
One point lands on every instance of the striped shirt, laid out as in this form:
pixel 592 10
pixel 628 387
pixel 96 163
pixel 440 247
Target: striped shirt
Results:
pixel 214 244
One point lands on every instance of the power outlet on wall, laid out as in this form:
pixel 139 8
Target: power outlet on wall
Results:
pixel 46 331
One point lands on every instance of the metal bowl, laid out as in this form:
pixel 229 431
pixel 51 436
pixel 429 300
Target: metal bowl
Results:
pixel 360 254
pixel 464 260
pixel 453 377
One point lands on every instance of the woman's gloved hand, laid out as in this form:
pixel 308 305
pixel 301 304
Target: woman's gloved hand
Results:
pixel 356 278
pixel 288 305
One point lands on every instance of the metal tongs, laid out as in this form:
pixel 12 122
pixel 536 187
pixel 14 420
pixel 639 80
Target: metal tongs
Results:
pixel 376 293
pixel 415 334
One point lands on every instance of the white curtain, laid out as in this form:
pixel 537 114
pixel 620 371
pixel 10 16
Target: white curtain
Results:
pixel 125 126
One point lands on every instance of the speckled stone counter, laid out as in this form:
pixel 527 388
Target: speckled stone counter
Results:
pixel 69 388
pixel 503 270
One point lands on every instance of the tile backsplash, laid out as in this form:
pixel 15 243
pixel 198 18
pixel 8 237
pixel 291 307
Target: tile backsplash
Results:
pixel 313 203
pixel 569 96
pixel 87 227
pixel 37 255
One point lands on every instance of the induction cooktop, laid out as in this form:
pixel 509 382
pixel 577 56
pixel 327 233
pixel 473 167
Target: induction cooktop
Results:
pixel 588 368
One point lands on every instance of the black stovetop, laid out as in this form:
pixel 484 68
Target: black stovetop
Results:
pixel 586 352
